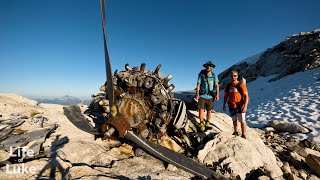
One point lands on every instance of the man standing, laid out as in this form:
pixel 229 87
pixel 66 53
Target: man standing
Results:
pixel 207 92
pixel 236 94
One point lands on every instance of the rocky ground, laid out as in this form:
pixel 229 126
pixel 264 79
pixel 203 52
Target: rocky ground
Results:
pixel 57 149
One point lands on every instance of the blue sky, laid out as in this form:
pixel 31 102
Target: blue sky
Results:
pixel 55 47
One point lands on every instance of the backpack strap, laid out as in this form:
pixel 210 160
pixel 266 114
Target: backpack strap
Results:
pixel 239 88
pixel 228 87
pixel 214 78
pixel 203 75
pixel 202 72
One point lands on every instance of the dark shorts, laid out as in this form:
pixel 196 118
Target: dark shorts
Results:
pixel 205 104
pixel 235 111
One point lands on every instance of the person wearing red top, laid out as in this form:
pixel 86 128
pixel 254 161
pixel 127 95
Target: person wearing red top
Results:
pixel 236 94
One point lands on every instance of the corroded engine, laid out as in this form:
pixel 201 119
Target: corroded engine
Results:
pixel 145 100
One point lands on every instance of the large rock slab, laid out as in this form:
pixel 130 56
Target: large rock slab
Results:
pixel 90 153
pixel 146 167
pixel 11 103
pixel 240 157
pixel 288 127
pixel 314 163
pixel 78 172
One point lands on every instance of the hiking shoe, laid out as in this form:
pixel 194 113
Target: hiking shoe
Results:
pixel 235 134
pixel 208 125
pixel 243 136
pixel 202 126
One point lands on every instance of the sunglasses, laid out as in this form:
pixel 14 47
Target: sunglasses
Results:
pixel 234 75
pixel 208 66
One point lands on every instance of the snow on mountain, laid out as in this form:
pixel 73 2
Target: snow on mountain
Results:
pixel 252 59
pixel 296 53
pixel 294 98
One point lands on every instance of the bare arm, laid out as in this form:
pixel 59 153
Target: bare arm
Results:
pixel 225 98
pixel 217 95
pixel 246 101
pixel 197 91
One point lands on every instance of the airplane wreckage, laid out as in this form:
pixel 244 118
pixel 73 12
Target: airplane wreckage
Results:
pixel 138 105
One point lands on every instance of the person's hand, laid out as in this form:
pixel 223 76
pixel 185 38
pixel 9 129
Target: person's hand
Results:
pixel 244 109
pixel 197 96
pixel 224 107
pixel 216 98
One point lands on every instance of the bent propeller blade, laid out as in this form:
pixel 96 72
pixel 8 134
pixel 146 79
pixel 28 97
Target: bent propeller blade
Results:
pixel 109 84
pixel 73 113
pixel 171 157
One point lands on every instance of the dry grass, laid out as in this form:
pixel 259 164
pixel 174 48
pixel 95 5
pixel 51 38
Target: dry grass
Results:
pixel 33 113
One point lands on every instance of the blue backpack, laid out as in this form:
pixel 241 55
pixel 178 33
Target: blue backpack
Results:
pixel 204 86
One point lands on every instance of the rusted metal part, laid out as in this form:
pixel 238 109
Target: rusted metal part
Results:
pixel 134 110
pixel 142 67
pixel 156 71
pixel 118 92
pixel 108 134
pixel 143 129
pixel 120 123
pixel 127 67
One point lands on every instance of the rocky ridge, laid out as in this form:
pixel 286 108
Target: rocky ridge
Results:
pixel 298 52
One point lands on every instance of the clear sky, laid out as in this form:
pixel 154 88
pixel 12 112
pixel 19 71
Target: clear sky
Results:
pixel 55 47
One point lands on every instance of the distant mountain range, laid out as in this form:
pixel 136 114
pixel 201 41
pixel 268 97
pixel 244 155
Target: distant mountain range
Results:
pixel 64 100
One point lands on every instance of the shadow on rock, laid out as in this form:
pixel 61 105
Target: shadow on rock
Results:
pixel 53 163
pixel 144 178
